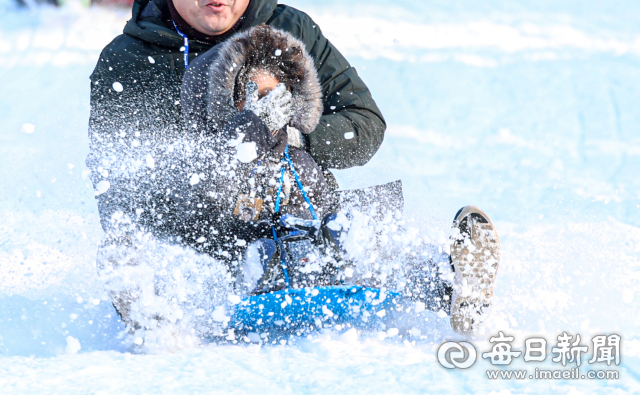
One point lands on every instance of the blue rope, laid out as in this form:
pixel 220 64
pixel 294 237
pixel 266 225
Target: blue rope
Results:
pixel 283 252
pixel 280 182
pixel 286 159
pixel 186 45
pixel 254 169
pixel 295 173
pixel 283 257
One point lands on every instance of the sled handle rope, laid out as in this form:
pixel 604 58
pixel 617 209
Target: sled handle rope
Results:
pixel 186 45
pixel 286 160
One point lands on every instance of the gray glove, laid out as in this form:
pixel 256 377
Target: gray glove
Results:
pixel 275 109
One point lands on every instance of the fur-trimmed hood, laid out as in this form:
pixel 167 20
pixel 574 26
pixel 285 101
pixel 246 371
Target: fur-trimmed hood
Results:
pixel 215 75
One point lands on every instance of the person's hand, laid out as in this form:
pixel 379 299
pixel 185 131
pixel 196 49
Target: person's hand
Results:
pixel 305 228
pixel 275 109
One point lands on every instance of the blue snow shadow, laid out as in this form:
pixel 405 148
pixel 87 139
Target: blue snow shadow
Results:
pixel 39 327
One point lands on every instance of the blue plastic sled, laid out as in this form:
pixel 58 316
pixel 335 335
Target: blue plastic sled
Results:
pixel 298 311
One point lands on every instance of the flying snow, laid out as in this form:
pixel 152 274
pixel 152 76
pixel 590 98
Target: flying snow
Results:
pixel 117 87
pixel 28 128
pixel 102 187
pixel 195 179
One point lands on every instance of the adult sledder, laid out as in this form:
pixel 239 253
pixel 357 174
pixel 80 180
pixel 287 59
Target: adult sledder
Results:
pixel 251 130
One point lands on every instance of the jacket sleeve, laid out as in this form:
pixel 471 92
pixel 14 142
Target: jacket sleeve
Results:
pixel 133 102
pixel 107 121
pixel 352 127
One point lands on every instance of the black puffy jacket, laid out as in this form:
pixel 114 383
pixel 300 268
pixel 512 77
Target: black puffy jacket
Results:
pixel 135 103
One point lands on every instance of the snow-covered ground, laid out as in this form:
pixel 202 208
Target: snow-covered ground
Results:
pixel 526 110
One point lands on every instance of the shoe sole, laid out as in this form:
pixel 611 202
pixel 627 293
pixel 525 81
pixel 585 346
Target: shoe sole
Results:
pixel 475 256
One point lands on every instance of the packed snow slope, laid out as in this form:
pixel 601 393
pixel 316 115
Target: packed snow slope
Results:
pixel 529 111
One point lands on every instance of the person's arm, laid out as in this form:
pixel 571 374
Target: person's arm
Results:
pixel 133 103
pixel 352 127
pixel 108 118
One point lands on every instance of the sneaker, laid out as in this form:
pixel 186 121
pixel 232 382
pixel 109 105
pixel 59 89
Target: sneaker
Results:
pixel 475 256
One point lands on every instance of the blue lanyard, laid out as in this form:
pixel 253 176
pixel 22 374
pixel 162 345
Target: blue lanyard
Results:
pixel 186 45
pixel 286 160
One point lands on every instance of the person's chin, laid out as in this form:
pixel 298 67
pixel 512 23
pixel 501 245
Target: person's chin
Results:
pixel 216 23
pixel 211 29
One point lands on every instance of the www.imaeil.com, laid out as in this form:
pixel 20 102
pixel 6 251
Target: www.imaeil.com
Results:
pixel 557 374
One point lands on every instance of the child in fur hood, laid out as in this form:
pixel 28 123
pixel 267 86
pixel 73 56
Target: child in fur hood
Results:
pixel 259 92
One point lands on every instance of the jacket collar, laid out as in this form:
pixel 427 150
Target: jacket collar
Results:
pixel 148 22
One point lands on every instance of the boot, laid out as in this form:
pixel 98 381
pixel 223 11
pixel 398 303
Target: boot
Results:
pixel 475 256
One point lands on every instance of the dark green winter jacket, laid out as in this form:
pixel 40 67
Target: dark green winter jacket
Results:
pixel 135 95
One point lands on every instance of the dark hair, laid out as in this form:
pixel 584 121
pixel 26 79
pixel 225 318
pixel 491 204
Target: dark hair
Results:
pixel 267 50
